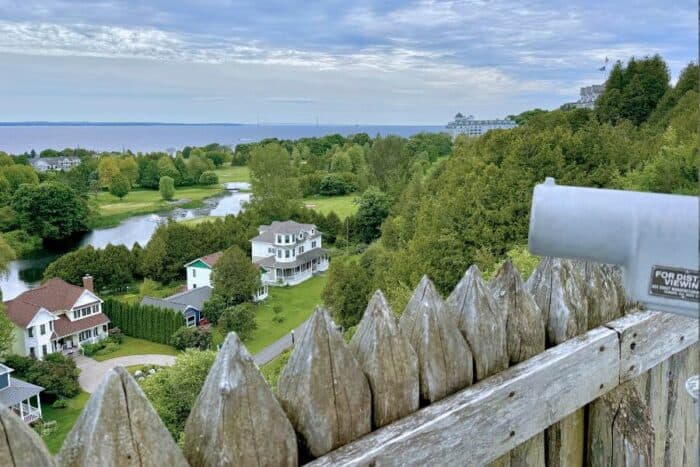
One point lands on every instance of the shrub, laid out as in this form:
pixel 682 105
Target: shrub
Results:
pixel 166 186
pixel 60 403
pixel 56 373
pixel 208 178
pixel 108 348
pixel 145 322
pixel 240 319
pixel 194 337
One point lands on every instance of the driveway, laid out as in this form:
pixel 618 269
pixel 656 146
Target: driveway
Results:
pixel 92 371
pixel 279 346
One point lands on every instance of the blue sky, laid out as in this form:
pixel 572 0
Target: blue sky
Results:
pixel 383 62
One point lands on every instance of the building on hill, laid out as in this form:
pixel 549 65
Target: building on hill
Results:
pixel 56 317
pixel 199 274
pixel 462 125
pixel 190 303
pixel 289 252
pixel 45 164
pixel 17 396
pixel 589 95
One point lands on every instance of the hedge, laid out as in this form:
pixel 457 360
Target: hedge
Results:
pixel 145 322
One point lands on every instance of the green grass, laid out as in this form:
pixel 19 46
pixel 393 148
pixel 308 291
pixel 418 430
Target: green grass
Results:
pixel 298 302
pixel 200 220
pixel 65 419
pixel 233 174
pixel 134 295
pixel 343 206
pixel 272 369
pixel 134 346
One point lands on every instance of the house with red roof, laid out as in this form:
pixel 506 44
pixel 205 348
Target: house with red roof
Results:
pixel 56 317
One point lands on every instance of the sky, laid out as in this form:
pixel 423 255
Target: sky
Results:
pixel 341 62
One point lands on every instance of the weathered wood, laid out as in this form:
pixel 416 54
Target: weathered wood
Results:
pixel 648 338
pixel 483 422
pixel 236 420
pixel 620 430
pixel 323 390
pixel 388 361
pixel 600 291
pixel 653 386
pixel 691 453
pixel 681 432
pixel 444 358
pixel 525 333
pixel 20 446
pixel 481 322
pixel 119 427
pixel 556 288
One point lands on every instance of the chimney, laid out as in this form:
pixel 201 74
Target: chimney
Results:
pixel 88 282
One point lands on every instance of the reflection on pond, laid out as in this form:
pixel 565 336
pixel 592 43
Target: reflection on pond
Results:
pixel 27 272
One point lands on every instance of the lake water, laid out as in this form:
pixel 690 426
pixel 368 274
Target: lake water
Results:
pixel 26 273
pixel 16 139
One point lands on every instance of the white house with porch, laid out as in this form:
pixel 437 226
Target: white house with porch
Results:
pixel 288 252
pixel 17 395
pixel 56 317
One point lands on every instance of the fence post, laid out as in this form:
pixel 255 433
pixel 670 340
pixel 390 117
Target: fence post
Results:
pixel 19 444
pixel 388 361
pixel 481 322
pixel 601 293
pixel 236 420
pixel 119 427
pixel 525 333
pixel 444 358
pixel 323 390
pixel 554 285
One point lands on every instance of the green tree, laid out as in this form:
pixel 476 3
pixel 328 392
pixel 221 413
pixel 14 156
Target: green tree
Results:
pixel 274 183
pixel 129 168
pixel 166 186
pixel 17 175
pixel 166 168
pixel 148 173
pixel 208 178
pixel 347 291
pixel 213 308
pixel 119 186
pixel 239 319
pixel 173 390
pixel 191 338
pixel 72 266
pixel 373 208
pixel 6 331
pixel 107 170
pixel 171 246
pixel 235 278
pixel 50 210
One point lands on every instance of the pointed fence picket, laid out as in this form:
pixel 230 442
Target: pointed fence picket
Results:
pixel 539 373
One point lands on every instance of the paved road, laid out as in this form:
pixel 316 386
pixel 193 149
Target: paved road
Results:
pixel 279 346
pixel 92 371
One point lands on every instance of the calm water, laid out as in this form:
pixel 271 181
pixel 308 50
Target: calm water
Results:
pixel 18 139
pixel 27 273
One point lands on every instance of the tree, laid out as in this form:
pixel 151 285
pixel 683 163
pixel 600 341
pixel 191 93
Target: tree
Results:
pixel 17 175
pixel 333 185
pixel 275 187
pixel 387 162
pixel 208 178
pixel 373 208
pixel 213 308
pixel 107 170
pixel 119 186
pixel 191 338
pixel 6 331
pixel 235 277
pixel 171 246
pixel 239 319
pixel 166 168
pixel 166 186
pixel 347 291
pixel 173 390
pixel 50 210
pixel 148 173
pixel 57 374
pixel 72 266
pixel 129 168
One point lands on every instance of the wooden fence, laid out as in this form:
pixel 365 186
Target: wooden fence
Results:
pixel 546 372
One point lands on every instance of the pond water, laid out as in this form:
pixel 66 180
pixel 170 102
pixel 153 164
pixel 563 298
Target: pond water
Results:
pixel 26 273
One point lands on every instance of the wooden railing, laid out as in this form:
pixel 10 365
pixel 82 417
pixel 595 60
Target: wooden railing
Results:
pixel 546 372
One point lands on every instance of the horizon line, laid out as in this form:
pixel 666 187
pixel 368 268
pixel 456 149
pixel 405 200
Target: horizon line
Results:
pixel 156 123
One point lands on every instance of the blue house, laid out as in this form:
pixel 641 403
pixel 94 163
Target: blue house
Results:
pixel 17 395
pixel 190 303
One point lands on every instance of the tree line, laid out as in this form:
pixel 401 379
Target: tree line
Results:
pixel 144 322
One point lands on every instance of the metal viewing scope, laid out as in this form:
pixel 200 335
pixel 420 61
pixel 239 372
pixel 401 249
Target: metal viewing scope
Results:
pixel 654 237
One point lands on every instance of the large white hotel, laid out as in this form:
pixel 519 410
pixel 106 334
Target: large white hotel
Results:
pixel 470 127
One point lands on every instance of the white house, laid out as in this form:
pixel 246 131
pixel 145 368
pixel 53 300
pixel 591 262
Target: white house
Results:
pixel 45 164
pixel 199 274
pixel 56 317
pixel 17 395
pixel 288 252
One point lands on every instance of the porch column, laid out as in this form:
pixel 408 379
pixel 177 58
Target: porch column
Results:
pixel 21 410
pixel 38 404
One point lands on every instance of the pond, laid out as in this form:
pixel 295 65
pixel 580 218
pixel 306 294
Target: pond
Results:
pixel 26 273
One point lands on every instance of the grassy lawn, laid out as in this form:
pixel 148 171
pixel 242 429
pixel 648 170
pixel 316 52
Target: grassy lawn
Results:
pixel 65 419
pixel 297 304
pixel 233 174
pixel 200 220
pixel 342 205
pixel 134 346
pixel 271 370
pixel 134 295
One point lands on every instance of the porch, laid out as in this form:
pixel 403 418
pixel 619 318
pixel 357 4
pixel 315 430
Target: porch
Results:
pixel 71 344
pixel 296 274
pixel 23 399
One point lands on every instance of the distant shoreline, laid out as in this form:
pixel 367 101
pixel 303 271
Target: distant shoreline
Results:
pixel 39 123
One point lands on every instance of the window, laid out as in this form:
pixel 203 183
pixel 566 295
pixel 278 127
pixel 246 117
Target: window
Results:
pixel 286 253
pixel 294 252
pixel 50 325
pixel 42 329
pixel 32 353
pixel 30 331
pixel 301 249
pixel 96 332
pixel 194 272
pixel 271 250
pixel 278 238
pixel 85 335
pixel 279 253
pixel 104 328
pixel 191 321
pixel 313 244
pixel 194 286
pixel 43 350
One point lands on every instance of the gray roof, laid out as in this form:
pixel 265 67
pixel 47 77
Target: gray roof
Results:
pixel 17 392
pixel 5 369
pixel 194 298
pixel 271 262
pixel 286 227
